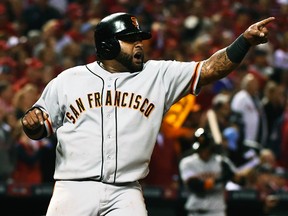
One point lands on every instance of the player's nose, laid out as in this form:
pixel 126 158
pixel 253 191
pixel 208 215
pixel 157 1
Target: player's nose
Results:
pixel 139 44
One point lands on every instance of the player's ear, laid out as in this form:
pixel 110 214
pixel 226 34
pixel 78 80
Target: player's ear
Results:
pixel 108 49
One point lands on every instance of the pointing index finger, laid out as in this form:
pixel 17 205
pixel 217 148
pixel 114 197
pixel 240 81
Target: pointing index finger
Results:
pixel 264 22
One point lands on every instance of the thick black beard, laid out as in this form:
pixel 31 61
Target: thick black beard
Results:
pixel 127 61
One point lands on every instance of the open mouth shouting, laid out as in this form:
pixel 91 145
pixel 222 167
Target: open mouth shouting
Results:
pixel 138 57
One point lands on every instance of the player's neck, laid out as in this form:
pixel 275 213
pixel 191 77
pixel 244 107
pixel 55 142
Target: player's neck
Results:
pixel 112 66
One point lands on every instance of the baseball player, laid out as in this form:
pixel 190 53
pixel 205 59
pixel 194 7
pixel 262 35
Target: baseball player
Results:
pixel 205 174
pixel 107 114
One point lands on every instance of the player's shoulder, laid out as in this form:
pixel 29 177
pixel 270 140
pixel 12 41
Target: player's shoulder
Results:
pixel 165 64
pixel 187 159
pixel 154 66
pixel 151 64
pixel 72 71
pixel 241 97
pixel 241 94
pixel 158 63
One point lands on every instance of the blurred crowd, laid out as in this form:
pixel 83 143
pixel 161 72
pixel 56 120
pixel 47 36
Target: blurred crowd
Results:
pixel 41 38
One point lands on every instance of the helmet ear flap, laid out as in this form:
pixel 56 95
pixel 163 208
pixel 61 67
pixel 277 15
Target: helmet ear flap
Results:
pixel 108 49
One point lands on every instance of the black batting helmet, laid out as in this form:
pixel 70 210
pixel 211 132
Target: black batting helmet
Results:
pixel 202 140
pixel 110 28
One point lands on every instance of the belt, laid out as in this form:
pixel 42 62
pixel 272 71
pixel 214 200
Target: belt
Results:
pixel 97 180
pixel 199 211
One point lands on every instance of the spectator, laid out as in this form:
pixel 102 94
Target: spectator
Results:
pixel 51 65
pixel 73 51
pixel 283 137
pixel 280 61
pixel 34 37
pixel 247 103
pixel 8 69
pixel 267 158
pixel 221 108
pixel 33 74
pixel 229 124
pixel 6 95
pixel 280 180
pixel 45 158
pixel 75 17
pixel 23 99
pixel 7 142
pixel 269 182
pixel 53 37
pixel 28 164
pixel 60 5
pixel 7 29
pixel 87 44
pixel 260 68
pixel 273 105
pixel 262 180
pixel 37 14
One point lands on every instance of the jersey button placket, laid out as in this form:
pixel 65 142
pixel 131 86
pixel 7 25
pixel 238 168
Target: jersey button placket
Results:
pixel 109 84
pixel 109 164
pixel 110 131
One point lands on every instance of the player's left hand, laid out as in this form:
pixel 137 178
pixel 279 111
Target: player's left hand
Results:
pixel 257 33
pixel 34 119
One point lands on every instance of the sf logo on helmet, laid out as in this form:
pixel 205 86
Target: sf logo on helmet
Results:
pixel 135 22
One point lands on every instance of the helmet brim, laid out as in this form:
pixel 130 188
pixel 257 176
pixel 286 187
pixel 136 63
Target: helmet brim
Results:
pixel 143 35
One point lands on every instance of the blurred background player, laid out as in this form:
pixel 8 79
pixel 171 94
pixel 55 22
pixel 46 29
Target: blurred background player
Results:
pixel 205 173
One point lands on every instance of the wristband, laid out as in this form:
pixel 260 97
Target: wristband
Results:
pixel 32 131
pixel 238 49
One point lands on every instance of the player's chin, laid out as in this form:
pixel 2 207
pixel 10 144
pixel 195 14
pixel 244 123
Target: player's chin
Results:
pixel 137 67
pixel 137 64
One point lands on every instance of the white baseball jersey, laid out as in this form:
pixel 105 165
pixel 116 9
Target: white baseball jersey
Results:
pixel 107 123
pixel 193 165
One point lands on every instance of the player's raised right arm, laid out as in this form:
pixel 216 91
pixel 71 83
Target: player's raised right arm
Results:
pixel 224 61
